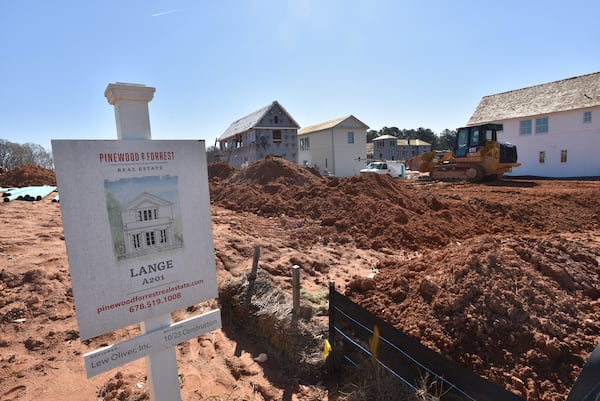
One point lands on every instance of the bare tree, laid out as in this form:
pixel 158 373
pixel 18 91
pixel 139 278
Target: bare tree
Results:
pixel 212 154
pixel 39 155
pixel 13 155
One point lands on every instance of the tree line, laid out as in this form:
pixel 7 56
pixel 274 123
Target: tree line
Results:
pixel 13 155
pixel 445 140
pixel 442 141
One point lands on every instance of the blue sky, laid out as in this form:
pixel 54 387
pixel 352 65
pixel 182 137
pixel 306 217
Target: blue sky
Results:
pixel 403 63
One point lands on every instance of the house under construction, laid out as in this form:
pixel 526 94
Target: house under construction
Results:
pixel 270 131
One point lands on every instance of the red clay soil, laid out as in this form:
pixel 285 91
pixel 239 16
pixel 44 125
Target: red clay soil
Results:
pixel 502 277
pixel 220 170
pixel 26 176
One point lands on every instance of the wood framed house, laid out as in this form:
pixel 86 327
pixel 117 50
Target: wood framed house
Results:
pixel 389 147
pixel 270 131
pixel 555 126
pixel 384 147
pixel 335 147
pixel 148 225
pixel 417 147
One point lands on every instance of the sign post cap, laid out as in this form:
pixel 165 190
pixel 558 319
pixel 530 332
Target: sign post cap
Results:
pixel 121 91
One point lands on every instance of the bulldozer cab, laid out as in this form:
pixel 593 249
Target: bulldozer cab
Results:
pixel 471 139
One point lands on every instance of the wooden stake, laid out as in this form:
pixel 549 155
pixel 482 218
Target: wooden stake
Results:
pixel 252 276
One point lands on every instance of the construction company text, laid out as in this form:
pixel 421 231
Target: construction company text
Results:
pixel 133 157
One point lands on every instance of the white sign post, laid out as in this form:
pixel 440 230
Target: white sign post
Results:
pixel 136 216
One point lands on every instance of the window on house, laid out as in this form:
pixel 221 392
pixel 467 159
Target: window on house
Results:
pixel 148 214
pixel 304 144
pixel 587 117
pixel 150 239
pixel 542 157
pixel 276 119
pixel 350 137
pixel 277 136
pixel 137 243
pixel 163 236
pixel 563 156
pixel 541 125
pixel 525 127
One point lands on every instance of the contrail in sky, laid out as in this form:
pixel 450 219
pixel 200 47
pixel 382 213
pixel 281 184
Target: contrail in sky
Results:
pixel 165 13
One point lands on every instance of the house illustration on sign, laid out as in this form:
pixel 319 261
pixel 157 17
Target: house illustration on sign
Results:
pixel 148 225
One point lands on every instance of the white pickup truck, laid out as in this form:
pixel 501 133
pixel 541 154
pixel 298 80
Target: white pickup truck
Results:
pixel 393 168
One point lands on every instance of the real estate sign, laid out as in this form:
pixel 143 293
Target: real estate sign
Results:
pixel 136 217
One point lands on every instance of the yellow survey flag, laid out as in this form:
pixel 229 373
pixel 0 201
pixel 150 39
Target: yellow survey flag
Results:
pixel 326 349
pixel 374 344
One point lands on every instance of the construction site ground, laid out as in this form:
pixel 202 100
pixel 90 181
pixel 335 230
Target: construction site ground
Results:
pixel 501 277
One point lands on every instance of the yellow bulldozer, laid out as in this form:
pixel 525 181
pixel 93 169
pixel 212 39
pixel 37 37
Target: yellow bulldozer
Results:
pixel 477 156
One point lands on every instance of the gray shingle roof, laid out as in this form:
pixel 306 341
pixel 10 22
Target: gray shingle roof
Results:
pixel 564 95
pixel 251 120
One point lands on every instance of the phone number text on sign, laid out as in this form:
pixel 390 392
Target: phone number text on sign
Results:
pixel 141 302
pixel 154 302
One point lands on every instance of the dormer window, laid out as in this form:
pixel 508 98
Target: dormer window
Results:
pixel 147 214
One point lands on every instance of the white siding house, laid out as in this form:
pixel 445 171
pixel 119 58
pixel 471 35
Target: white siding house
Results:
pixel 555 126
pixel 336 147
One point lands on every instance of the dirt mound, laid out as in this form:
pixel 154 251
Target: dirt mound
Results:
pixel 501 278
pixel 519 311
pixel 378 212
pixel 219 170
pixel 26 176
pixel 276 170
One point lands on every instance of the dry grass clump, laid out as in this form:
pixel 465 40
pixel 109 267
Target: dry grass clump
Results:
pixel 296 342
pixel 368 383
